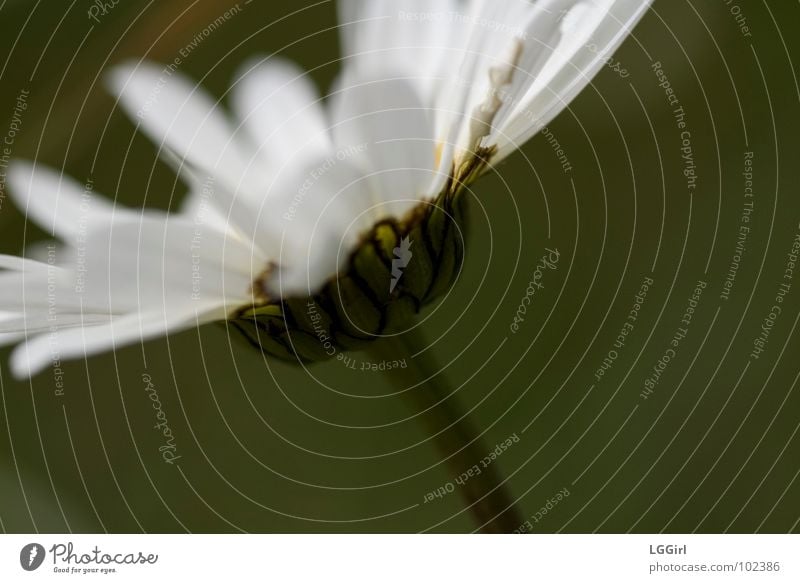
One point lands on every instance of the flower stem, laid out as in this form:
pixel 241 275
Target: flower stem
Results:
pixel 452 433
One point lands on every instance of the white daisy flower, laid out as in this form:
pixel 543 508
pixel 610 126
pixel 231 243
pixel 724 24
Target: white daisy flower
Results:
pixel 299 205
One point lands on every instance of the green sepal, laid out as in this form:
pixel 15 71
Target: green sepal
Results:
pixel 369 266
pixel 310 347
pixel 356 314
pixel 419 274
pixel 386 238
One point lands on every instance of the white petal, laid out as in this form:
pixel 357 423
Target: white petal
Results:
pixel 542 36
pixel 213 203
pixel 163 261
pixel 318 215
pixel 202 205
pixel 591 32
pixel 236 214
pixel 20 291
pixel 33 322
pixel 383 127
pixel 9 339
pixel 48 252
pixel 413 37
pixel 179 115
pixel 14 263
pixel 39 352
pixel 281 109
pixel 56 202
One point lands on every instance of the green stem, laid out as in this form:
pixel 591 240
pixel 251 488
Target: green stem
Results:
pixel 454 436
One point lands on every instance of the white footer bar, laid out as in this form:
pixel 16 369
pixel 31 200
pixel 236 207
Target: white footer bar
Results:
pixel 400 558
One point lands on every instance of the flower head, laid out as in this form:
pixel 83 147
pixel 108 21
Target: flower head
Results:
pixel 307 217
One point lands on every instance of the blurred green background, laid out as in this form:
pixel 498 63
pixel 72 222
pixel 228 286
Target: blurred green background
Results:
pixel 267 447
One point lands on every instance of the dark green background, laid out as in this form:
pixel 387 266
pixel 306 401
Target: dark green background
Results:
pixel 267 447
